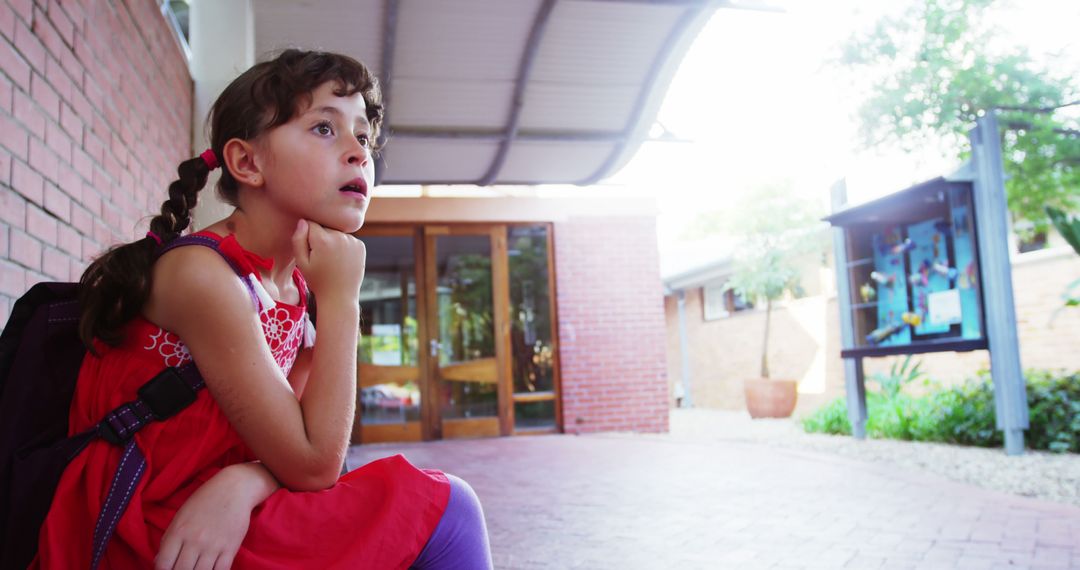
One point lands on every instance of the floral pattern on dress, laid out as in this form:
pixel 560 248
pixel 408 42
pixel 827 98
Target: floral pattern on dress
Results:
pixel 284 335
pixel 170 347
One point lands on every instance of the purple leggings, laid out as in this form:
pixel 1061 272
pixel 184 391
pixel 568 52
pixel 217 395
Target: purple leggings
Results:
pixel 460 540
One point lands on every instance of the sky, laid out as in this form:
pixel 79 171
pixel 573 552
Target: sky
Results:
pixel 758 101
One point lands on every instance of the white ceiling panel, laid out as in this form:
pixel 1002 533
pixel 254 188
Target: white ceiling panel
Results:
pixel 555 161
pixel 463 39
pixel 433 104
pixel 599 43
pixel 449 161
pixel 351 27
pixel 599 66
pixel 552 107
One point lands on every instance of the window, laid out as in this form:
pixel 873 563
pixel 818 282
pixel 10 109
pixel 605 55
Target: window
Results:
pixel 721 304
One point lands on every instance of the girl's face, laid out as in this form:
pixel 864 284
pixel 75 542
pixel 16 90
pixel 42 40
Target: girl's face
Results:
pixel 319 164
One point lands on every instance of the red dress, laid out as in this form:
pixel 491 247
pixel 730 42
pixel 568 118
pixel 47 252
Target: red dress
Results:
pixel 378 516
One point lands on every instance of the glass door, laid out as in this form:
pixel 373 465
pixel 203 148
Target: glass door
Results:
pixel 468 331
pixel 390 387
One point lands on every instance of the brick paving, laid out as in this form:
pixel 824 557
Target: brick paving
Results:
pixel 625 501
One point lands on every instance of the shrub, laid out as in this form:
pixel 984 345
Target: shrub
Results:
pixel 965 414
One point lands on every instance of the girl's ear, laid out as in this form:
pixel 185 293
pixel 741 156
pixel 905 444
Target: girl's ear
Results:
pixel 239 158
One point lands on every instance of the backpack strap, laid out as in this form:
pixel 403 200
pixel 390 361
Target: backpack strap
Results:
pixel 255 289
pixel 160 398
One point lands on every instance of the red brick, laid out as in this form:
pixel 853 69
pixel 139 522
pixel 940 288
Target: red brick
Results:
pixel 12 279
pixel 6 94
pixel 55 264
pixel 71 123
pixel 41 225
pixel 91 199
pixel 12 208
pixel 69 182
pixel 5 168
pixel 63 24
pixel 90 248
pixel 46 32
pixel 45 96
pixel 81 219
pixel 7 21
pixel 14 65
pixel 84 166
pixel 59 79
pixel 94 148
pixel 28 114
pixel 25 250
pixel 27 182
pixel 81 105
pixel 24 8
pixel 57 203
pixel 13 137
pixel 29 46
pixel 59 141
pixel 76 268
pixel 74 68
pixel 4 233
pixel 68 240
pixel 43 160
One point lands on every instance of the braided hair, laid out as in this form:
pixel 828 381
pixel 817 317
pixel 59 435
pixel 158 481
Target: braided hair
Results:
pixel 114 288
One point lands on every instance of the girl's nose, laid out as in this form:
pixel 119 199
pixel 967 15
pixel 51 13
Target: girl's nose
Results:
pixel 357 153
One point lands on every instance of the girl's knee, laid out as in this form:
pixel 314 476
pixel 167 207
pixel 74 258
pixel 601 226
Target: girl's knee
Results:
pixel 463 498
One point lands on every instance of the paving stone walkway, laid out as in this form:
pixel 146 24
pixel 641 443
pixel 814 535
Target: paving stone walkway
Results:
pixel 624 501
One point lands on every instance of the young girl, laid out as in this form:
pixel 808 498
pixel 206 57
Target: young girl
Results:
pixel 247 475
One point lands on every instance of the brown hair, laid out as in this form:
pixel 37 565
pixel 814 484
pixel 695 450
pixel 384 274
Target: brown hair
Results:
pixel 116 285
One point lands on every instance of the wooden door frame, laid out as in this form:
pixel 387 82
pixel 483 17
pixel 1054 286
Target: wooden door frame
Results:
pixel 424 234
pixel 500 299
pixel 426 391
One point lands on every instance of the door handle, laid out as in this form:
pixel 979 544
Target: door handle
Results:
pixel 434 347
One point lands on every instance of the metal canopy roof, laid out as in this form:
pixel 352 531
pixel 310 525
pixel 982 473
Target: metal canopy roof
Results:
pixel 502 91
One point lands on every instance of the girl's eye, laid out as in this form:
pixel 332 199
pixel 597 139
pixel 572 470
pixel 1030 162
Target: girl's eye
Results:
pixel 364 139
pixel 324 129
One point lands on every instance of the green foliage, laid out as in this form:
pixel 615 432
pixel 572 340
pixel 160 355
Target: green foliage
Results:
pixel 1069 228
pixel 830 418
pixel 773 226
pixel 900 374
pixel 964 414
pixel 937 67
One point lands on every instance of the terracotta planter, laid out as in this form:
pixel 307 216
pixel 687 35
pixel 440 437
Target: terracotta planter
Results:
pixel 770 398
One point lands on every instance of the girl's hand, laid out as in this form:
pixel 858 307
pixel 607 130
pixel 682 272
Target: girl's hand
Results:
pixel 332 262
pixel 208 530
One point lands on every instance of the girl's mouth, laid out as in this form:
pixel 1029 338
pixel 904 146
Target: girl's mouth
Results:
pixel 355 186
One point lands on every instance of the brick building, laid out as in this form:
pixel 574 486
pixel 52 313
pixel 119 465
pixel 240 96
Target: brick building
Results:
pixel 724 349
pixel 99 101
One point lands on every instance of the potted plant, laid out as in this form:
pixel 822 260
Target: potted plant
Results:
pixel 775 227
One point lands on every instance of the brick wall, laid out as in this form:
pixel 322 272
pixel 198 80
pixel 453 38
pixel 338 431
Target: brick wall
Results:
pixel 805 343
pixel 611 325
pixel 95 114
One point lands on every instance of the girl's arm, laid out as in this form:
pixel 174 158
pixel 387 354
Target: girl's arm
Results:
pixel 197 296
pixel 213 522
pixel 209 528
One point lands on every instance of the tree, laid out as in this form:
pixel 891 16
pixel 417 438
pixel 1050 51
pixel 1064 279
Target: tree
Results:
pixel 773 227
pixel 937 67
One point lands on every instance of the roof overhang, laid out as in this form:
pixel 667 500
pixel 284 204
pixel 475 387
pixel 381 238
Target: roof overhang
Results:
pixel 502 92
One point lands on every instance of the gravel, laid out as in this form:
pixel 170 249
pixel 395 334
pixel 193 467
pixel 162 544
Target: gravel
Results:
pixel 1048 476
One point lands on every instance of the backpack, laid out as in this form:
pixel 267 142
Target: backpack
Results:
pixel 40 358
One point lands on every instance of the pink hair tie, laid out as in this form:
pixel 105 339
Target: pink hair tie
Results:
pixel 155 236
pixel 209 158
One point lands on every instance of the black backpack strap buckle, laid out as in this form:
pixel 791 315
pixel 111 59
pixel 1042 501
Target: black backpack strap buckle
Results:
pixel 166 394
pixel 162 397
